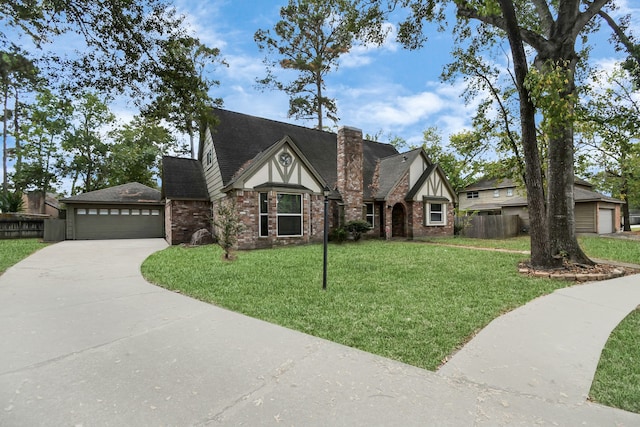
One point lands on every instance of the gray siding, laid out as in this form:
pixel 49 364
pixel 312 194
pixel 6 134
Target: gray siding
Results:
pixel 212 174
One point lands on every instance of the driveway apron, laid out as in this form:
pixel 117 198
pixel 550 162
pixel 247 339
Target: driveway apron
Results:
pixel 87 342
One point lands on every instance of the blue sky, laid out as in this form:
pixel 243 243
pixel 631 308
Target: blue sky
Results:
pixel 384 90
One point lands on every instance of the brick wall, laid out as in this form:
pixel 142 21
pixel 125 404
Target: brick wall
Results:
pixel 184 217
pixel 247 203
pixel 421 230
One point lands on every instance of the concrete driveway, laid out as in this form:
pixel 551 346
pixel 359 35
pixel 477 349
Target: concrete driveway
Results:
pixel 87 342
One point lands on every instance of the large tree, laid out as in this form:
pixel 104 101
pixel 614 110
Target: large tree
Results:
pixel 309 39
pixel 542 36
pixel 44 127
pixel 86 145
pixel 17 73
pixel 136 152
pixel 182 90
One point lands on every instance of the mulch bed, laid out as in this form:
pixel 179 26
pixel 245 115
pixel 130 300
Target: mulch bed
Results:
pixel 578 272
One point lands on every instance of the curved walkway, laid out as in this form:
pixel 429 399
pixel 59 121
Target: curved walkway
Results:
pixel 86 341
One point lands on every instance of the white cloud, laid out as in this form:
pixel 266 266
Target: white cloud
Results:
pixel 362 53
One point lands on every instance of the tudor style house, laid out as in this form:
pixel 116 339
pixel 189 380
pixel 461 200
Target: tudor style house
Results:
pixel 277 174
pixel 594 212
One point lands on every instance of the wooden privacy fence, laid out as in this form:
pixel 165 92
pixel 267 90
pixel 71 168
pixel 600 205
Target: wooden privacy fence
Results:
pixel 20 227
pixel 489 226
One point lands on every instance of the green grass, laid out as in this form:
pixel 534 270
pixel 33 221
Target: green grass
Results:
pixel 617 380
pixel 12 251
pixel 411 302
pixel 605 248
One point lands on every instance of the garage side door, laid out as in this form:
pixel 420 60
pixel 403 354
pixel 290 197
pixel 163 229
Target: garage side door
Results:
pixel 119 223
pixel 605 221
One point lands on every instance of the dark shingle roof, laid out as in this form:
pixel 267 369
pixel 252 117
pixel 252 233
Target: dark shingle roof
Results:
pixel 132 192
pixel 239 138
pixel 183 179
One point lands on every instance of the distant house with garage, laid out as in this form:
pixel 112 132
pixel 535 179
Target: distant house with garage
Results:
pixel 594 212
pixel 277 174
pixel 125 211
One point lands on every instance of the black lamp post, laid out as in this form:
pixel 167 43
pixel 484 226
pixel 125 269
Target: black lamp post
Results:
pixel 326 192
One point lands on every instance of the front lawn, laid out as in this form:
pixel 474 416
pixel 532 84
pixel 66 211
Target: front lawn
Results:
pixel 411 302
pixel 12 251
pixel 605 248
pixel 617 380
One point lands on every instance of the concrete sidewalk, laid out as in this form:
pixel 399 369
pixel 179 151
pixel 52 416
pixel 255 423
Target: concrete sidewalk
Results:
pixel 550 347
pixel 86 341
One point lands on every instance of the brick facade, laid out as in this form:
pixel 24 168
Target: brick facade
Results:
pixel 184 217
pixel 247 204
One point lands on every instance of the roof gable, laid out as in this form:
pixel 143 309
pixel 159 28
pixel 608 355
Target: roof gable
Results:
pixel 268 169
pixel 240 138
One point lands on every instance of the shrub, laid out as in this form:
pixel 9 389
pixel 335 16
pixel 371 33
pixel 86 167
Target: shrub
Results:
pixel 11 202
pixel 338 235
pixel 357 228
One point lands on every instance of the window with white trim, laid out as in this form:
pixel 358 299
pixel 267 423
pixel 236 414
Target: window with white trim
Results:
pixel 289 214
pixel 496 193
pixel 370 214
pixel 509 192
pixel 264 214
pixel 436 213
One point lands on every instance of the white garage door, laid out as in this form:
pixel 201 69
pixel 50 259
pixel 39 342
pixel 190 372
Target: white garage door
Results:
pixel 605 221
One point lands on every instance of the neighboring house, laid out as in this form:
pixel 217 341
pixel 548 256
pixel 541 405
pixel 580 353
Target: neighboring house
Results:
pixel 32 204
pixel 128 211
pixel 277 173
pixel 594 212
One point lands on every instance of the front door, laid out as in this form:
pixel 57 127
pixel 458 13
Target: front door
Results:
pixel 398 221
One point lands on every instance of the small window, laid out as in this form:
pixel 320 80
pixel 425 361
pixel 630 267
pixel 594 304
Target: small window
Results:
pixel 135 211
pixel 93 211
pixel 370 214
pixel 436 213
pixel 104 211
pixel 124 211
pixel 209 157
pixel 509 192
pixel 144 211
pixel 472 195
pixel 81 211
pixel 155 212
pixel 114 211
pixel 496 193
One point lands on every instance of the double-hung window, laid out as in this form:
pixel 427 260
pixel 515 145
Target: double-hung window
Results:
pixel 289 213
pixel 436 213
pixel 264 215
pixel 369 215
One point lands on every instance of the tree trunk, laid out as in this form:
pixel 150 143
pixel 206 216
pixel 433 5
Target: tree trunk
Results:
pixel 319 95
pixel 560 172
pixel 4 144
pixel 624 189
pixel 540 245
pixel 16 135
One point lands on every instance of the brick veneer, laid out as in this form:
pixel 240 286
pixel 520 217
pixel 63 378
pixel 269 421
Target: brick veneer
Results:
pixel 247 205
pixel 184 217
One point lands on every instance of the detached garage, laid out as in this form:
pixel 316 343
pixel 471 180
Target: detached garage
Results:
pixel 128 211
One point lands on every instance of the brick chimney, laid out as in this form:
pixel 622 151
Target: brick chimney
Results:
pixel 350 163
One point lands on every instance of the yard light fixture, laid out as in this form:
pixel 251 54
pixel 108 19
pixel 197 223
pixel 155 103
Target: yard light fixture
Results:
pixel 325 192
